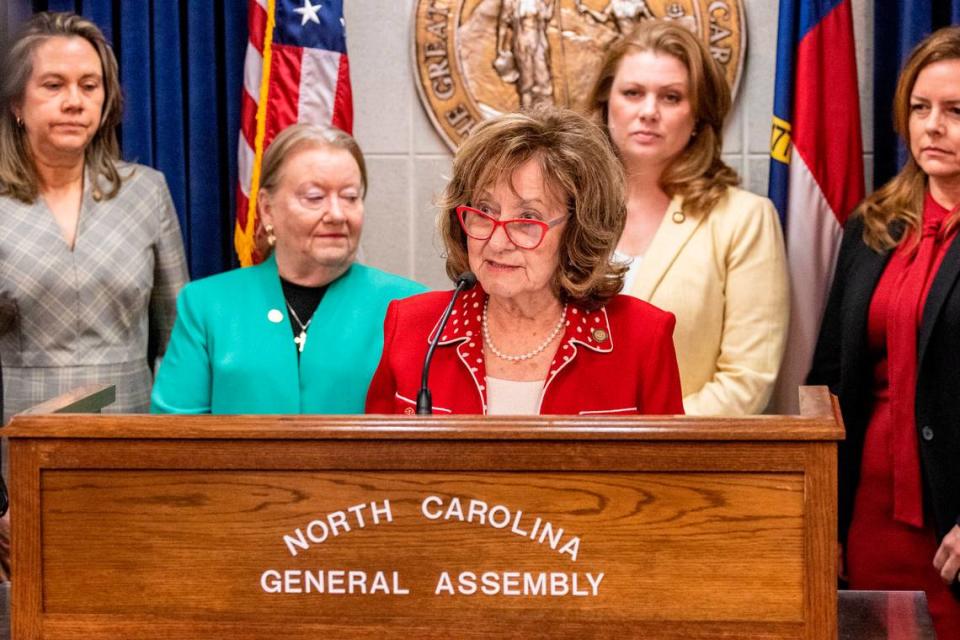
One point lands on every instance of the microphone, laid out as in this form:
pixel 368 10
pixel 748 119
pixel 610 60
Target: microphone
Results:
pixel 466 280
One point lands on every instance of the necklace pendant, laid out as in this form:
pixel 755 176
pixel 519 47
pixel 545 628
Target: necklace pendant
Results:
pixel 301 340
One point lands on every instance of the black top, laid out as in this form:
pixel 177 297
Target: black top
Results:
pixel 303 300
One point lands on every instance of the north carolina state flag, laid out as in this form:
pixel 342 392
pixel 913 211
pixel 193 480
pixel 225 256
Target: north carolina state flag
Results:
pixel 816 166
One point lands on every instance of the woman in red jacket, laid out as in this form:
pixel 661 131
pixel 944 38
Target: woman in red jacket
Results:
pixel 534 210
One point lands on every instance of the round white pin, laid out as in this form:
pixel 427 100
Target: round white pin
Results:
pixel 275 315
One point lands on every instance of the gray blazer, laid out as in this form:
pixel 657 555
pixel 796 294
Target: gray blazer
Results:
pixel 84 316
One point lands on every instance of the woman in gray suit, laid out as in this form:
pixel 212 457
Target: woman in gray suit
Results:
pixel 91 257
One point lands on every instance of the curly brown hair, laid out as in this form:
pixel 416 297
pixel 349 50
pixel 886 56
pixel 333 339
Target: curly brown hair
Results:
pixel 18 175
pixel 576 162
pixel 698 173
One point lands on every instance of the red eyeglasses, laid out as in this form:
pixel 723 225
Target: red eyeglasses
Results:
pixel 523 232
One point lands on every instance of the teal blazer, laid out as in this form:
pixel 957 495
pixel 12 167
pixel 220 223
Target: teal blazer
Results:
pixel 232 349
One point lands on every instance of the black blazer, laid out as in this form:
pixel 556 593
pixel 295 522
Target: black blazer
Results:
pixel 841 361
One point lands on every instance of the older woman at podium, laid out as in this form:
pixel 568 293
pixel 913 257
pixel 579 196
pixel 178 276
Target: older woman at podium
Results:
pixel 533 210
pixel 301 332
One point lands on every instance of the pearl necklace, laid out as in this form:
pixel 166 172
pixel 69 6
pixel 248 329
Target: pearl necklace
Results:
pixel 522 356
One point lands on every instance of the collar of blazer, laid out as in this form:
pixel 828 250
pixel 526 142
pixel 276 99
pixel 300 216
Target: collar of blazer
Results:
pixel 675 230
pixel 864 271
pixel 939 291
pixel 590 329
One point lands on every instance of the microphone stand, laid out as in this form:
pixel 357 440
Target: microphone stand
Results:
pixel 424 401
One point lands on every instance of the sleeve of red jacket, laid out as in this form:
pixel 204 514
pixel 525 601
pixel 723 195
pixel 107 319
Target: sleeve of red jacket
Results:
pixel 383 386
pixel 660 392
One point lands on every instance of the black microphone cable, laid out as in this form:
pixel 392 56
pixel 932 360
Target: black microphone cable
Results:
pixel 466 280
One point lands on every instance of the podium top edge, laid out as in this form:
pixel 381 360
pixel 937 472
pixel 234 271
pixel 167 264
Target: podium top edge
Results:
pixel 312 427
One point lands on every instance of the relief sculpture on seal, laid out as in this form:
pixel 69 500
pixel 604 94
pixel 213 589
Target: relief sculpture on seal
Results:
pixel 475 59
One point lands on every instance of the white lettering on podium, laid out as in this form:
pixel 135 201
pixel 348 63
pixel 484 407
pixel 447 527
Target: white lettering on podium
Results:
pixel 357 510
pixel 595 582
pixel 500 517
pixel 431 515
pixel 313 582
pixel 335 582
pixel 535 586
pixel 503 520
pixel 338 520
pixel 553 584
pixel 380 583
pixel 332 582
pixel 312 528
pixel 445 585
pixel 491 586
pixel 335 523
pixel 270 581
pixel 572 548
pixel 385 511
pixel 478 510
pixel 549 534
pixel 291 582
pixel 511 582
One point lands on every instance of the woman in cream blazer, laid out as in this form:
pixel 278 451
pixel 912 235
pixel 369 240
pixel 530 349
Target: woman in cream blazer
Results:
pixel 723 274
pixel 694 243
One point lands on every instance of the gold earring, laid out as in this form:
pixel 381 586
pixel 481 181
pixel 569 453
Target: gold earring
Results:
pixel 271 239
pixel 20 122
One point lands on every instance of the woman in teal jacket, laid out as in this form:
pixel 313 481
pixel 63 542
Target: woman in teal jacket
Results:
pixel 303 331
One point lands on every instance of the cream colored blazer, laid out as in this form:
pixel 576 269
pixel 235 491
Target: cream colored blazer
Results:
pixel 724 275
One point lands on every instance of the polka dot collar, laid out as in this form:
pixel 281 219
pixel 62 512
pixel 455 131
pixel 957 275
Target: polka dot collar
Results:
pixel 589 328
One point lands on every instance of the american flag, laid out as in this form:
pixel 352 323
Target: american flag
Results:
pixel 296 70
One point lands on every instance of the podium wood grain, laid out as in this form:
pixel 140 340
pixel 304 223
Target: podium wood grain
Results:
pixel 162 527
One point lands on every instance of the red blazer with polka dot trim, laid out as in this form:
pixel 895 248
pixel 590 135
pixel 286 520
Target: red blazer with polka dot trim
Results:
pixel 618 359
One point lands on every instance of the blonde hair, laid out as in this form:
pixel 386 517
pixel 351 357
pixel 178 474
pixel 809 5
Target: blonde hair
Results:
pixel 295 138
pixel 698 173
pixel 897 206
pixel 576 163
pixel 18 174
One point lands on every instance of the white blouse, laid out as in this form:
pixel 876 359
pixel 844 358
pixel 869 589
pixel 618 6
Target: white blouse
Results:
pixel 633 265
pixel 513 397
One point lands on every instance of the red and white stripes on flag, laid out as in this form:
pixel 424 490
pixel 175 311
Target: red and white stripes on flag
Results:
pixel 296 70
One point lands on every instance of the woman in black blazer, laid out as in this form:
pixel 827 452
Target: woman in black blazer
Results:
pixel 889 348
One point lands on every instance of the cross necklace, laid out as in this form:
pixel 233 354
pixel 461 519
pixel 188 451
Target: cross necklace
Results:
pixel 301 338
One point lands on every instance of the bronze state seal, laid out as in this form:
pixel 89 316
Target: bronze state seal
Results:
pixel 475 59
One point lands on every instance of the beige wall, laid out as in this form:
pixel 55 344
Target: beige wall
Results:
pixel 408 162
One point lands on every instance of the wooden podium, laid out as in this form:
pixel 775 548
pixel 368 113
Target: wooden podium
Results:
pixel 240 527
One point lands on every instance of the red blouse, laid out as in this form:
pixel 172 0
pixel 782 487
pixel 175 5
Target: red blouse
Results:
pixel 896 312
